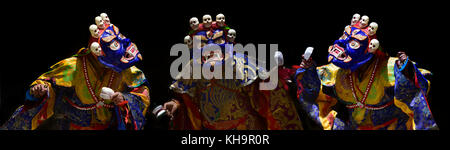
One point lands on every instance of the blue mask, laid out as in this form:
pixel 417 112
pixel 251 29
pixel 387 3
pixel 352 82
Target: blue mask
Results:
pixel 119 53
pixel 350 51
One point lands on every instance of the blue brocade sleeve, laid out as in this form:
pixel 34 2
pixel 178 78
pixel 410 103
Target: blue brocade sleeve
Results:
pixel 308 90
pixel 411 97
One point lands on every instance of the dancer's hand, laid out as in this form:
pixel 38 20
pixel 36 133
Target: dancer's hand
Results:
pixel 39 90
pixel 306 63
pixel 171 107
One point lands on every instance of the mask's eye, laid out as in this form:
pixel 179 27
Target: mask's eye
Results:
pixel 354 44
pixel 114 45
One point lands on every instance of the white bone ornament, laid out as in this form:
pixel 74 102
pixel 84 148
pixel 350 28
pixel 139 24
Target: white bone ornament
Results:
pixel 106 93
pixel 308 52
pixel 374 45
pixel 364 21
pixel 220 20
pixel 207 21
pixel 188 41
pixel 99 22
pixel 355 19
pixel 193 22
pixel 279 58
pixel 373 27
pixel 231 35
pixel 96 49
pixel 105 18
pixel 94 30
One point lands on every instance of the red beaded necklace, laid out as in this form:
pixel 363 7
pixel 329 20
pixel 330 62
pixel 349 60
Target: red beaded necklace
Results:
pixel 361 103
pixel 99 102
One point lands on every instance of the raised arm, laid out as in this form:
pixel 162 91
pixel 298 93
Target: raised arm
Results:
pixel 411 91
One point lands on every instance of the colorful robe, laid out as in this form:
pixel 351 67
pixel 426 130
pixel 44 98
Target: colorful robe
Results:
pixel 229 104
pixel 393 103
pixel 65 106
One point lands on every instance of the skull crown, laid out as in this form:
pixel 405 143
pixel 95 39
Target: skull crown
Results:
pixel 101 23
pixel 206 24
pixel 362 23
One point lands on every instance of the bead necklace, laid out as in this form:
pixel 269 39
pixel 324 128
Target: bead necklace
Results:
pixel 99 103
pixel 361 104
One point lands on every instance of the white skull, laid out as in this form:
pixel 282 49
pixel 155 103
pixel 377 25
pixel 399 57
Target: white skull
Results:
pixel 188 41
pixel 373 27
pixel 220 20
pixel 364 21
pixel 105 18
pixel 99 22
pixel 194 23
pixel 231 35
pixel 207 20
pixel 373 46
pixel 94 30
pixel 96 49
pixel 279 58
pixel 355 19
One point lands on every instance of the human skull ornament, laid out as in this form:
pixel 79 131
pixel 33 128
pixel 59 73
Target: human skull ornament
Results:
pixel 94 30
pixel 194 23
pixel 373 27
pixel 220 20
pixel 279 58
pixel 373 46
pixel 188 41
pixel 231 35
pixel 364 21
pixel 96 49
pixel 355 19
pixel 207 21
pixel 105 18
pixel 99 22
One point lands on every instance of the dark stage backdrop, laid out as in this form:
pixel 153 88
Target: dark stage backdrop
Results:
pixel 34 38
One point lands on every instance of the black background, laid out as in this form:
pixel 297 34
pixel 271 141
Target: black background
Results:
pixel 38 35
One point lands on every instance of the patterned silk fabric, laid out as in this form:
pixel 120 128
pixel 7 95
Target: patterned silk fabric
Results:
pixel 401 103
pixel 68 87
pixel 233 104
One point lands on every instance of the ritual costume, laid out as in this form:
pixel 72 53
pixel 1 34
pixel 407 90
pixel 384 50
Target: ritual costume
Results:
pixel 74 101
pixel 228 104
pixel 375 92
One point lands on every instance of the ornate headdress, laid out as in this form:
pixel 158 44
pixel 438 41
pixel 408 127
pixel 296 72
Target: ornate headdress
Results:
pixel 357 45
pixel 210 32
pixel 111 48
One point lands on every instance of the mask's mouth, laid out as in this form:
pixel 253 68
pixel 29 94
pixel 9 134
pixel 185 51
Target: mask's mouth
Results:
pixel 338 53
pixel 130 53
